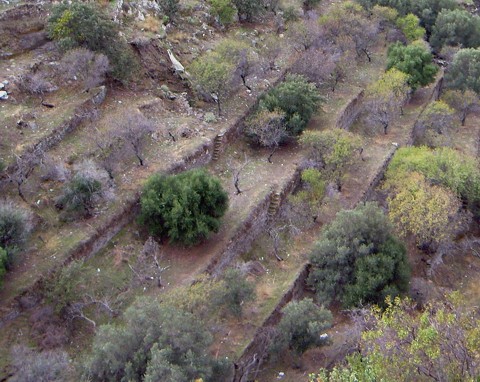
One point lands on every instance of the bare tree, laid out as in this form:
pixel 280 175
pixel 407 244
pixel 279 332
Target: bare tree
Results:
pixel 237 171
pixel 132 129
pixel 267 129
pixel 270 49
pixel 24 167
pixel 305 34
pixel 84 65
pixel 148 265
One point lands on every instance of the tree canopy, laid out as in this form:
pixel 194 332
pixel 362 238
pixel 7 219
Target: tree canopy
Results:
pixel 457 28
pixel 464 72
pixel 332 150
pixel 297 98
pixel 213 74
pixel 357 260
pixel 184 207
pixel 445 166
pixel 155 343
pixel 414 60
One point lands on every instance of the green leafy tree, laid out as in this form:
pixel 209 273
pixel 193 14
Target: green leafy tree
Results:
pixel 213 74
pixel 155 343
pixel 248 9
pixel 457 28
pixel 224 10
pixel 357 260
pixel 464 72
pixel 302 324
pixel 428 10
pixel 410 26
pixel 438 343
pixel 184 207
pixel 297 98
pixel 414 60
pixel 84 25
pixel 235 291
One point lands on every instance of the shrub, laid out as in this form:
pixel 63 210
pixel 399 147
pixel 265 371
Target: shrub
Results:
pixel 357 260
pixel 311 3
pixel 3 264
pixel 301 326
pixel 80 195
pixel 224 10
pixel 86 66
pixel 3 166
pixel 84 25
pixel 235 291
pixel 248 9
pixel 169 7
pixel 15 226
pixel 156 343
pixel 184 207
pixel 297 98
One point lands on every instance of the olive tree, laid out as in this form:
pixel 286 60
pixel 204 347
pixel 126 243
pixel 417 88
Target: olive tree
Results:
pixel 155 343
pixel 357 259
pixel 464 71
pixel 184 207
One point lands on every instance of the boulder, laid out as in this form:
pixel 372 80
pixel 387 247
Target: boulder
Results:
pixel 3 94
pixel 99 95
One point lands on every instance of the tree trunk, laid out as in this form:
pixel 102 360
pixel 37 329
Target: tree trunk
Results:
pixel 218 106
pixel 271 154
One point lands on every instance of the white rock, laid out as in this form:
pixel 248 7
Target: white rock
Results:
pixel 2 86
pixel 3 94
